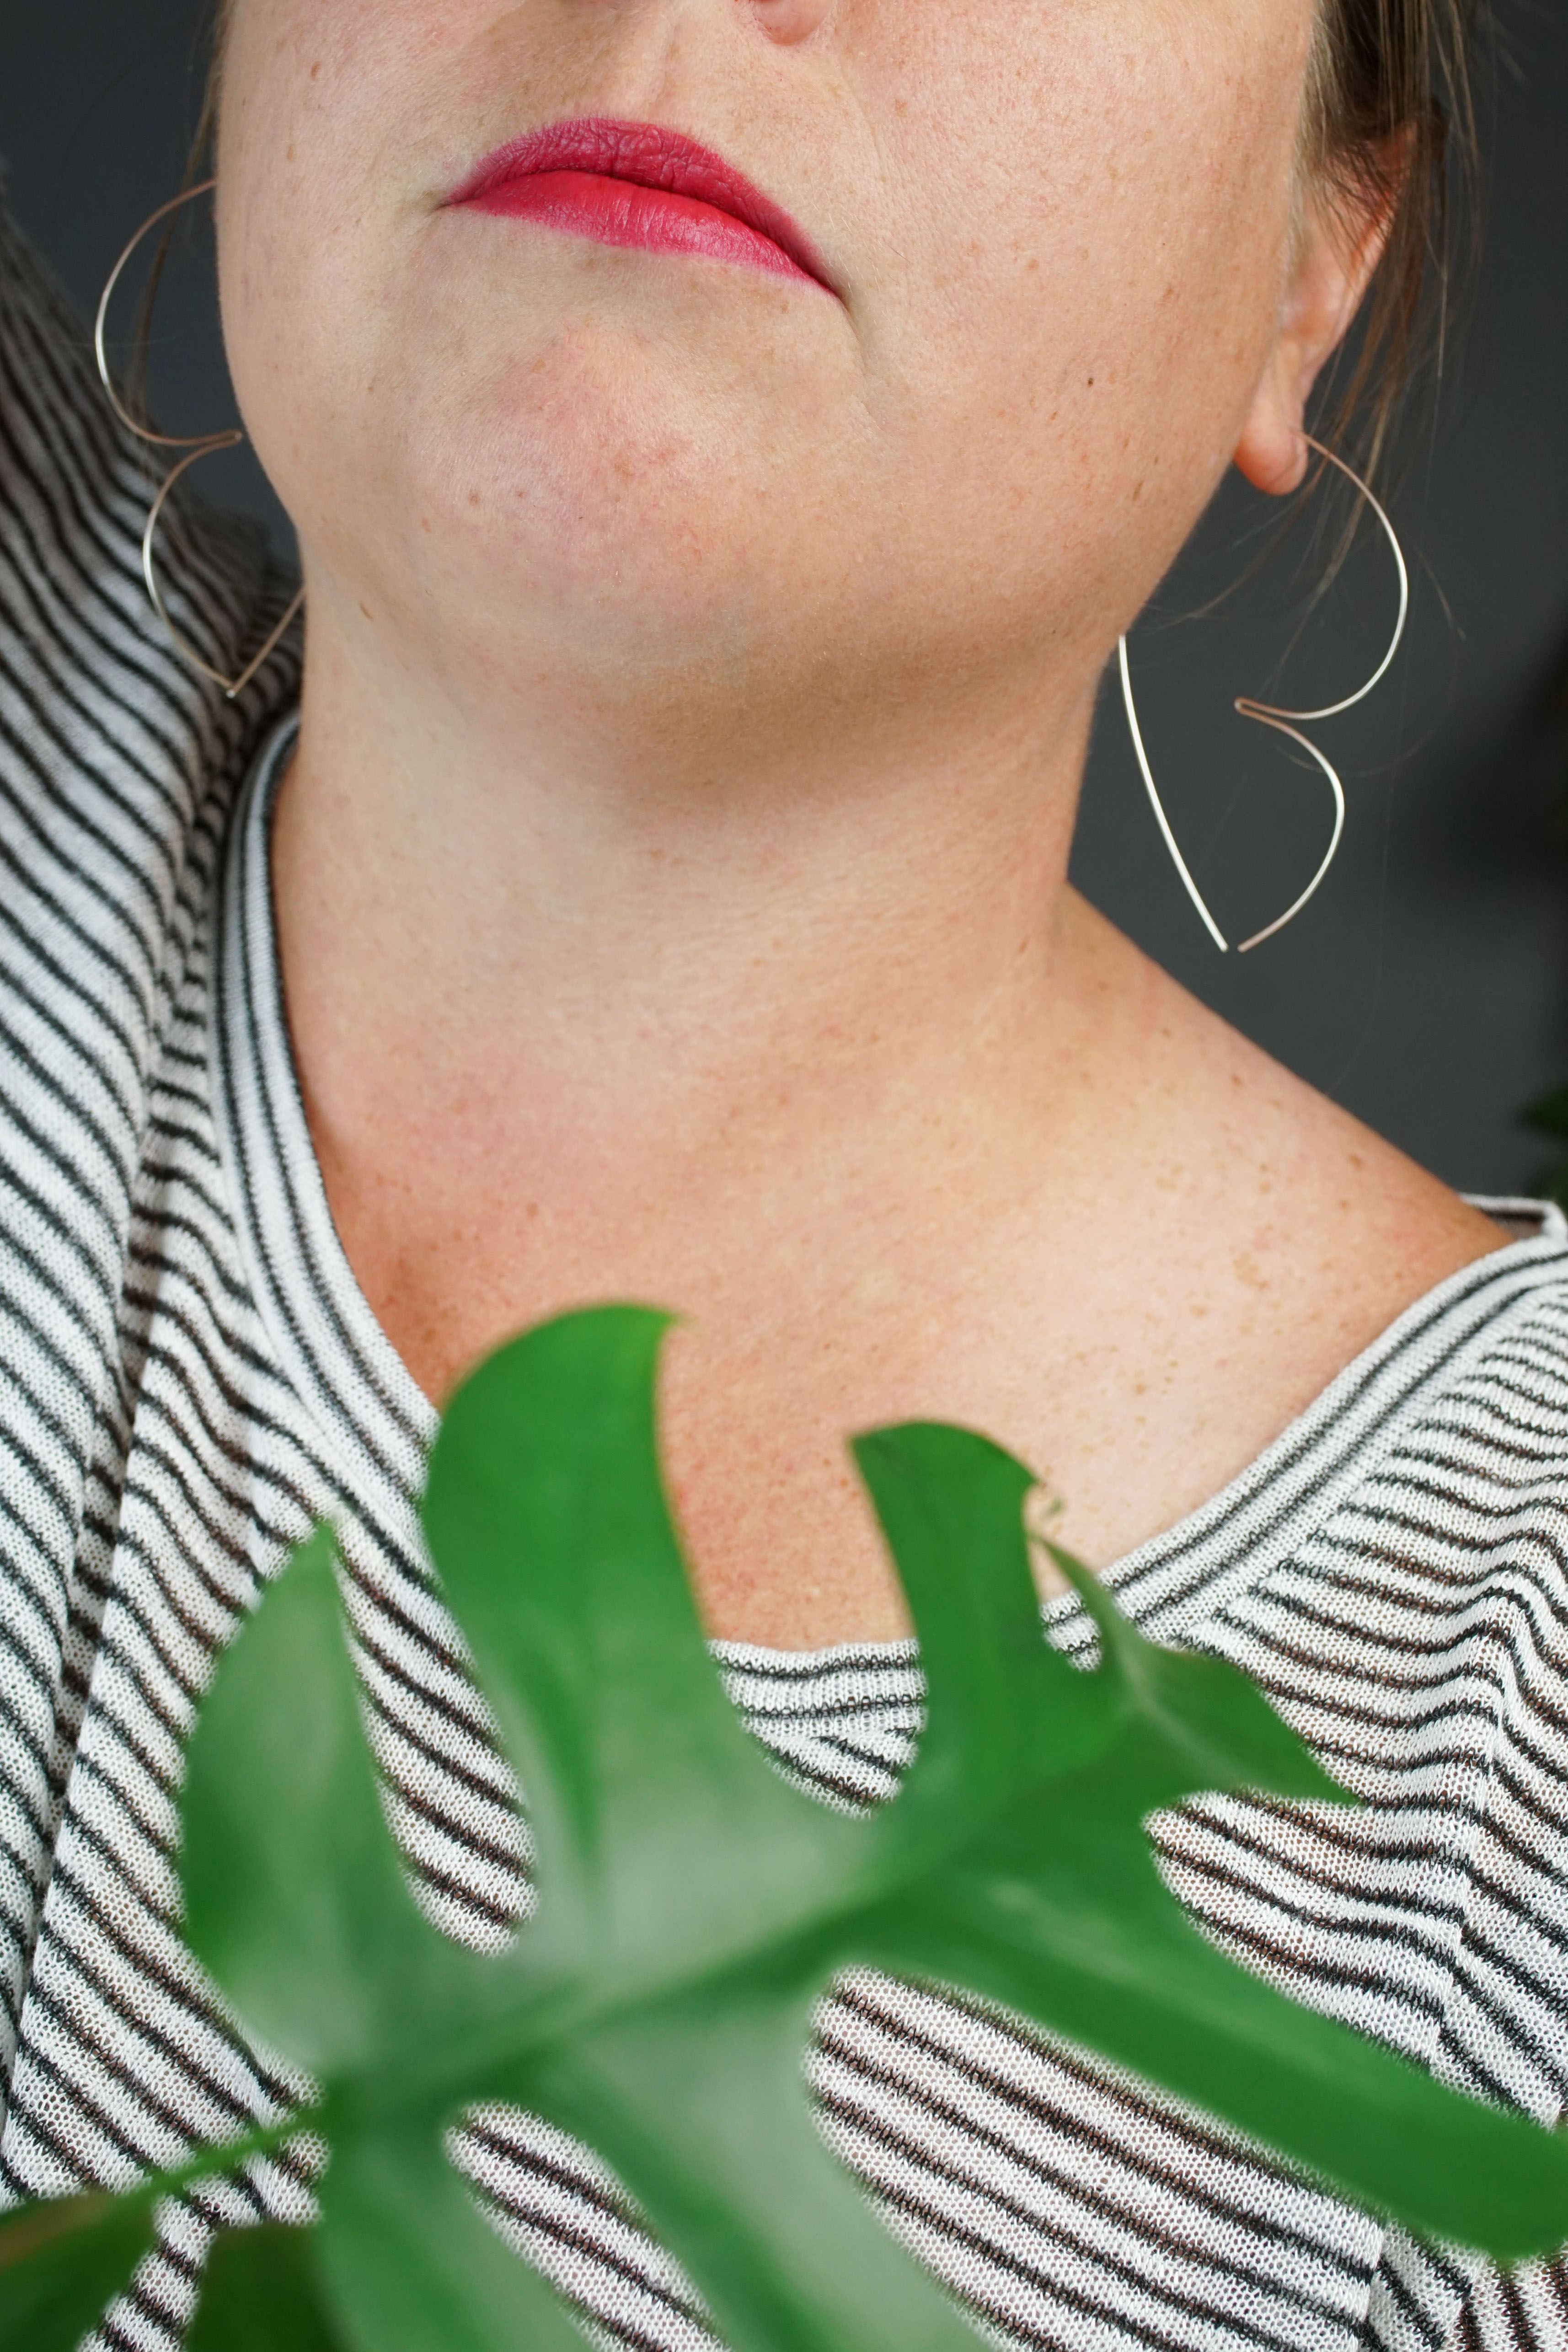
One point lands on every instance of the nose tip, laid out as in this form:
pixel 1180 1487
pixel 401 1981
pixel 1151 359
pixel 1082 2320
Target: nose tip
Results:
pixel 789 21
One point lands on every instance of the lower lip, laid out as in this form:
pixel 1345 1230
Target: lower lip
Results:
pixel 624 213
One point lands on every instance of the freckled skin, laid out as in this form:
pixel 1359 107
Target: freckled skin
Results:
pixel 671 883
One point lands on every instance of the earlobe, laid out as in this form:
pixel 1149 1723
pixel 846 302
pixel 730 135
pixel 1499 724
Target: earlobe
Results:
pixel 1271 453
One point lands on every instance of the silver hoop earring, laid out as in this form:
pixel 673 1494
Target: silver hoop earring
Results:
pixel 198 445
pixel 1284 723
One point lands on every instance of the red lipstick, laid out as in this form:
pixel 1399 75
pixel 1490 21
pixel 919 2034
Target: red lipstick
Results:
pixel 636 183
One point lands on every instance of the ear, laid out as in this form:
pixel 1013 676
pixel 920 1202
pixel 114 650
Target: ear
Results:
pixel 1336 257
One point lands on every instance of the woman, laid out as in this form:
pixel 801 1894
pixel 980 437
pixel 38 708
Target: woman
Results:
pixel 725 439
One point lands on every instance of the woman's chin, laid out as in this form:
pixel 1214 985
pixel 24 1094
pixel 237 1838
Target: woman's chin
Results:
pixel 563 597
pixel 594 526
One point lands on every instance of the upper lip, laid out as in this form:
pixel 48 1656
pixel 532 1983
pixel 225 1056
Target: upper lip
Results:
pixel 655 158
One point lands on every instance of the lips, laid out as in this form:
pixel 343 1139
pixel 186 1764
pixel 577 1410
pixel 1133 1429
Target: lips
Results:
pixel 638 185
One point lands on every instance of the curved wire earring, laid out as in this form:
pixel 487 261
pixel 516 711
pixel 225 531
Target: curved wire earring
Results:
pixel 1284 723
pixel 198 445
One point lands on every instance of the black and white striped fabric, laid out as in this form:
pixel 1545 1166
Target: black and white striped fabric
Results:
pixel 188 1375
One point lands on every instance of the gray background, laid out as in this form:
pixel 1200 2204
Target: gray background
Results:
pixel 1427 987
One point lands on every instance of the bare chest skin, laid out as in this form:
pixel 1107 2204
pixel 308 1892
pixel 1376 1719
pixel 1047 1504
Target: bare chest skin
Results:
pixel 1135 1303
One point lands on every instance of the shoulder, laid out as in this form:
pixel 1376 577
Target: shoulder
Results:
pixel 117 758
pixel 76 488
pixel 1269 1187
pixel 1441 1585
pixel 1234 1242
pixel 1401 1592
pixel 111 744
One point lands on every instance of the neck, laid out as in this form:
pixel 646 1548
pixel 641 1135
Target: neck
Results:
pixel 589 922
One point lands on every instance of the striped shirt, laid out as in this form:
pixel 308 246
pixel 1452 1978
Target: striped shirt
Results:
pixel 189 1376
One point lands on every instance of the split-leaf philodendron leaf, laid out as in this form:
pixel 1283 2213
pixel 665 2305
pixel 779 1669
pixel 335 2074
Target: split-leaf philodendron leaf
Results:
pixel 693 1907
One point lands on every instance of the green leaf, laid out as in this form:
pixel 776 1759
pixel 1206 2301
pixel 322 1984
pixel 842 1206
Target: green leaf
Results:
pixel 409 2264
pixel 1190 1723
pixel 61 2265
pixel 700 2105
pixel 692 1904
pixel 294 1897
pixel 1548 1114
pixel 262 2291
pixel 547 1518
pixel 1552 1184
pixel 1002 1705
pixel 1067 1922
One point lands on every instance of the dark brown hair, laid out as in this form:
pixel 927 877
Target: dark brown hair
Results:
pixel 1391 136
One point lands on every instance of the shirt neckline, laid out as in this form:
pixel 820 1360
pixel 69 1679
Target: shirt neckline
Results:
pixel 378 1425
